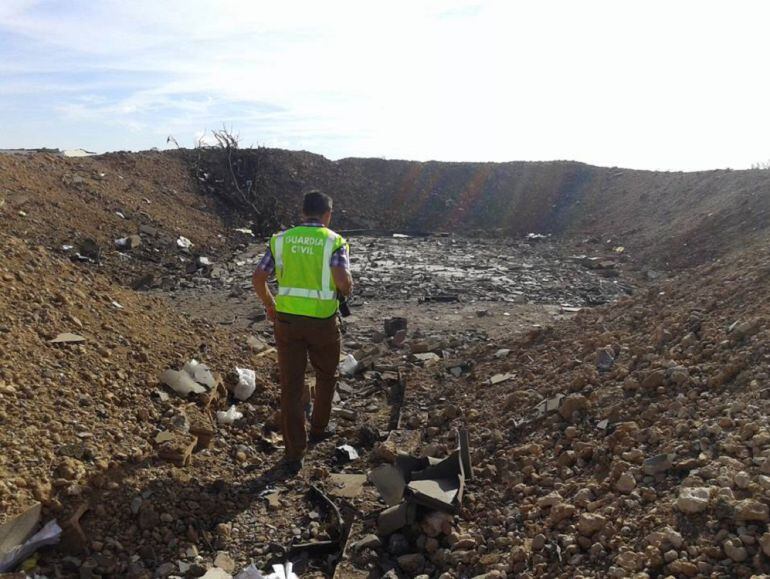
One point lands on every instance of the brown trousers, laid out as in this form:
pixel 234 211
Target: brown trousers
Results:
pixel 297 338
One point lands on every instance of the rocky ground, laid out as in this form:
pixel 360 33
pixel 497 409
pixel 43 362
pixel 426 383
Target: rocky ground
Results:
pixel 616 413
pixel 632 439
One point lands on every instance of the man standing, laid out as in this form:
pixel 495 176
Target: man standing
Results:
pixel 311 265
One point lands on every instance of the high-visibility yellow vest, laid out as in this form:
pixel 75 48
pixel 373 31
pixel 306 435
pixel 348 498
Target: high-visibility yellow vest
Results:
pixel 302 256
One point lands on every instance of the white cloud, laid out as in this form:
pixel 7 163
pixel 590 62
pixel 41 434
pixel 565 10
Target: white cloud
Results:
pixel 649 85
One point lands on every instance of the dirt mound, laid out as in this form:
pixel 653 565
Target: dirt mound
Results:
pixel 631 438
pixel 74 412
pixel 86 204
pixel 675 219
pixel 663 219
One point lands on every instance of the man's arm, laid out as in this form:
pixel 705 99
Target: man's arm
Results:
pixel 340 266
pixel 264 270
pixel 259 279
pixel 343 280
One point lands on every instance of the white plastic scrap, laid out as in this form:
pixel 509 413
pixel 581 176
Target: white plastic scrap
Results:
pixel 201 373
pixel 183 242
pixel 348 365
pixel 245 230
pixel 247 384
pixel 181 382
pixel 230 416
pixel 194 377
pixel 284 571
pixel 48 535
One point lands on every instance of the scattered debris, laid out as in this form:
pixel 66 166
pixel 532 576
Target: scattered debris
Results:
pixel 67 338
pixel 129 242
pixel 14 532
pixel 284 571
pixel 431 483
pixel 229 416
pixel 247 384
pixel 349 365
pixel 500 378
pixel 396 517
pixel 390 483
pixel 50 534
pixel 346 485
pixel 194 377
pixel 346 453
pixel 181 382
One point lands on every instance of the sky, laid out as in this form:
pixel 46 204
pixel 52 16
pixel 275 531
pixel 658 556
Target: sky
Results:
pixel 666 85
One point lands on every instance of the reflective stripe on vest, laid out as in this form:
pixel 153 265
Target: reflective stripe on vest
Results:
pixel 279 252
pixel 298 292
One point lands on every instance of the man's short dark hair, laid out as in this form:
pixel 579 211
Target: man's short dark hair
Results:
pixel 315 204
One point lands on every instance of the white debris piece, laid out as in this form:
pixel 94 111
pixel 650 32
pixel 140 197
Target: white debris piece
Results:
pixel 181 382
pixel 48 535
pixel 200 373
pixel 247 384
pixel 183 242
pixel 230 416
pixel 284 571
pixel 67 338
pixel 693 499
pixel 349 365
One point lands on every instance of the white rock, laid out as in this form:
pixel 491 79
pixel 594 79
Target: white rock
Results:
pixel 693 499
